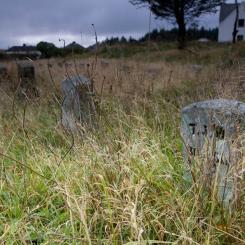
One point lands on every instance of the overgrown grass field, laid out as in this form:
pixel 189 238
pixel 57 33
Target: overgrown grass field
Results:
pixel 122 182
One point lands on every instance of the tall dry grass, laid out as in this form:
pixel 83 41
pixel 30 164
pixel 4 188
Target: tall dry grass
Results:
pixel 123 182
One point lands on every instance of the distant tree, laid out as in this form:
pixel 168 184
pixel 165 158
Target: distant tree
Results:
pixel 132 40
pixel 181 12
pixel 48 50
pixel 112 41
pixel 123 40
pixel 154 35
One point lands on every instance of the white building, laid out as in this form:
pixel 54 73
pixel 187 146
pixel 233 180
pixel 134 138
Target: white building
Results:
pixel 227 20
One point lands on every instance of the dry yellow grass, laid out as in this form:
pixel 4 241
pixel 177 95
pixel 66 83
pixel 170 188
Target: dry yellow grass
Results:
pixel 122 183
pixel 129 78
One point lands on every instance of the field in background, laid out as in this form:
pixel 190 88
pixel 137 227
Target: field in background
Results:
pixel 121 183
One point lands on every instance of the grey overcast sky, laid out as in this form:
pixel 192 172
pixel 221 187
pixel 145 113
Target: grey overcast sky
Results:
pixel 31 21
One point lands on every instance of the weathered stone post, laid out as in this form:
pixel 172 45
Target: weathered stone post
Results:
pixel 3 70
pixel 27 80
pixel 77 105
pixel 209 129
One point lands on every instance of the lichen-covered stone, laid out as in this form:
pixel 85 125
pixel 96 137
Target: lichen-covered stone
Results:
pixel 209 128
pixel 77 106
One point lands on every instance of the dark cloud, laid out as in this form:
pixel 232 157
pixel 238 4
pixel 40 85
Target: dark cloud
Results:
pixel 35 20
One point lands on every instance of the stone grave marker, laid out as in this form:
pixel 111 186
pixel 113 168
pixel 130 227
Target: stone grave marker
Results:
pixel 209 128
pixel 4 75
pixel 3 70
pixel 26 75
pixel 77 105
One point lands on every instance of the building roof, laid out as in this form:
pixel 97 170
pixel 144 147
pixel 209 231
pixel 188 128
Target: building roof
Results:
pixel 74 45
pixel 23 48
pixel 225 10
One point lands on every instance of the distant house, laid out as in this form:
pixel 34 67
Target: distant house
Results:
pixel 74 47
pixel 227 20
pixel 24 51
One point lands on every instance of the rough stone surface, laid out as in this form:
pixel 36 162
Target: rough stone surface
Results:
pixel 77 106
pixel 219 121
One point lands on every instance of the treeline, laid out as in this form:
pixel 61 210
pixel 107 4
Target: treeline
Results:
pixel 172 35
pixel 162 35
pixel 49 50
pixel 157 35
